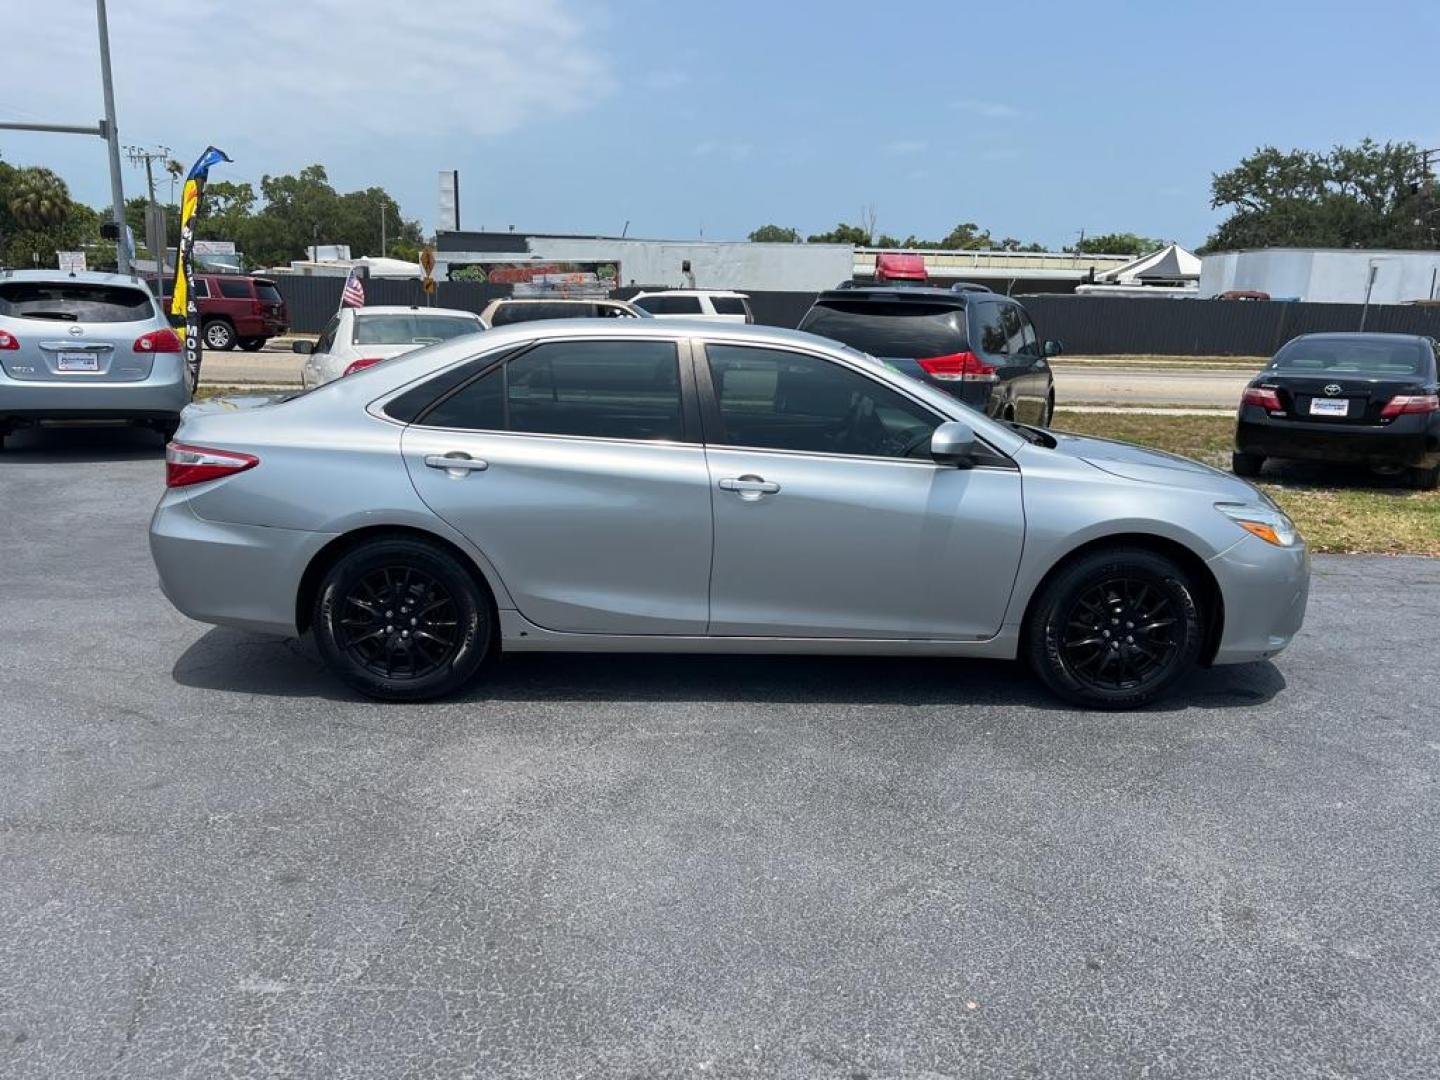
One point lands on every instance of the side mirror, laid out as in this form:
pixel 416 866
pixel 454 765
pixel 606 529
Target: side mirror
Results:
pixel 304 348
pixel 953 443
pixel 1053 348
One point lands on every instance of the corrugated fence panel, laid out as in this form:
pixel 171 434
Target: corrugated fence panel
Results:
pixel 1083 324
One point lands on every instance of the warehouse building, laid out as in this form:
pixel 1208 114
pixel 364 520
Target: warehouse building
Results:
pixel 1324 275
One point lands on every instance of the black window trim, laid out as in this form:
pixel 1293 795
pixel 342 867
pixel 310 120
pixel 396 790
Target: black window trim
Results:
pixel 690 426
pixel 712 423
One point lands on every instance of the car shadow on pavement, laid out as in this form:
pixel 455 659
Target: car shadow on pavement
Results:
pixel 1315 474
pixel 232 661
pixel 82 443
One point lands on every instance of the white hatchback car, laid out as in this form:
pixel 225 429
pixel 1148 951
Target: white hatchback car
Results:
pixel 357 338
pixel 718 304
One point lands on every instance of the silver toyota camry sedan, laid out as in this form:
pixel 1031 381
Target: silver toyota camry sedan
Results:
pixel 659 486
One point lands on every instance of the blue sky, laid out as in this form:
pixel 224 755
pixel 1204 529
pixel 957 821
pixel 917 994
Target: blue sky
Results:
pixel 1034 120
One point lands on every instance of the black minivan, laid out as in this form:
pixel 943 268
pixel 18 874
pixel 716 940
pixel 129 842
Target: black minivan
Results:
pixel 979 347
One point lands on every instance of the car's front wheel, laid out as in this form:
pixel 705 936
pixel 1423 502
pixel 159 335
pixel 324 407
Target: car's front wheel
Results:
pixel 1115 629
pixel 402 620
pixel 219 334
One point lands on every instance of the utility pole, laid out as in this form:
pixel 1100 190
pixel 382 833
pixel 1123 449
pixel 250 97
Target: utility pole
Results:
pixel 155 223
pixel 382 229
pixel 106 130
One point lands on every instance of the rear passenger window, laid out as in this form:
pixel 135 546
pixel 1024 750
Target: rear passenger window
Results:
pixel 596 389
pixel 990 332
pixel 728 305
pixel 669 305
pixel 234 288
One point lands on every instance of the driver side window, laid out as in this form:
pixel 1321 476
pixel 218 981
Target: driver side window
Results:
pixel 771 399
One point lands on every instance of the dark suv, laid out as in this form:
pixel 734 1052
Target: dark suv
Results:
pixel 235 309
pixel 979 347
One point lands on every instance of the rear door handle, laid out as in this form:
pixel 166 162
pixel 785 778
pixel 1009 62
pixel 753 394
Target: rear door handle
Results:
pixel 749 485
pixel 456 463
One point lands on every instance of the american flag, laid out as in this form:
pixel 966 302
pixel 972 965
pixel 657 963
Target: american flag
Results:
pixel 354 293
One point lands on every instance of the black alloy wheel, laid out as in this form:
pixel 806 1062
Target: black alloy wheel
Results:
pixel 402 620
pixel 1115 629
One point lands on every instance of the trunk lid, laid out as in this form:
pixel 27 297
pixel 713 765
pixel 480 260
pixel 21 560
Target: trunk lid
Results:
pixel 1348 398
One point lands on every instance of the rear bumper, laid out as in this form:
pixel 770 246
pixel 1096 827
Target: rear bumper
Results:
pixel 161 395
pixel 245 576
pixel 1406 440
pixel 1265 590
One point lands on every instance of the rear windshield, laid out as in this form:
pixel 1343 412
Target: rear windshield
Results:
pixel 728 305
pixel 267 292
pixel 1368 356
pixel 417 329
pixel 910 330
pixel 74 301
pixel 513 313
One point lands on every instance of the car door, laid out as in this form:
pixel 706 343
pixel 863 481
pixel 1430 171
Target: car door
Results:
pixel 1037 377
pixel 576 468
pixel 831 520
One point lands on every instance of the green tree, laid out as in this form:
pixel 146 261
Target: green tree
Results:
pixel 842 234
pixel 775 234
pixel 1126 243
pixel 37 199
pixel 1370 195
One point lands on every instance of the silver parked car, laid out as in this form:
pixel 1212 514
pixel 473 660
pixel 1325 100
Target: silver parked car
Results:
pixel 86 346
pixel 357 338
pixel 657 486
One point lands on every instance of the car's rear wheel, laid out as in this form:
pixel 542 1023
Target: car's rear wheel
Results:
pixel 1115 629
pixel 402 620
pixel 1423 479
pixel 1246 464
pixel 219 334
pixel 252 344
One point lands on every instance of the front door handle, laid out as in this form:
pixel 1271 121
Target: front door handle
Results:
pixel 749 486
pixel 456 463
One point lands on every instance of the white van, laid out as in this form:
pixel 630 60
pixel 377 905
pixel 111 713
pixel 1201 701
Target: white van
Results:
pixel 718 304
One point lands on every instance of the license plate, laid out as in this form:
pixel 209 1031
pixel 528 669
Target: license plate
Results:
pixel 1329 407
pixel 77 361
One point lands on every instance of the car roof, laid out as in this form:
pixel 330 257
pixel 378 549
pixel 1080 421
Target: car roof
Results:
pixel 559 300
pixel 93 277
pixel 904 292
pixel 691 292
pixel 1355 335
pixel 406 309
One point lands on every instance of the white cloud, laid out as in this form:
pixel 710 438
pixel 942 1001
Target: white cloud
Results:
pixel 906 146
pixel 992 110
pixel 305 76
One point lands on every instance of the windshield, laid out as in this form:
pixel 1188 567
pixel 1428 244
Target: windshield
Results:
pixel 899 329
pixel 74 301
pixel 417 329
pixel 1359 355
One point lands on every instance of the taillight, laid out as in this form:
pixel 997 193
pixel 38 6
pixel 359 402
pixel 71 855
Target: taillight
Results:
pixel 186 464
pixel 8 341
pixel 958 367
pixel 257 308
pixel 361 365
pixel 1401 404
pixel 158 341
pixel 1262 396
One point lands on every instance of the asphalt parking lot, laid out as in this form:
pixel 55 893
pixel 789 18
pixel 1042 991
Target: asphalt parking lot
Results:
pixel 216 862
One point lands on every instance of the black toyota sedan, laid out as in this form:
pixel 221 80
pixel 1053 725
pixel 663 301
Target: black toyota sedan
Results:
pixel 1366 399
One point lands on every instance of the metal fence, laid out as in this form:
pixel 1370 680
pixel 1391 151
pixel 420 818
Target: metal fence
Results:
pixel 1083 324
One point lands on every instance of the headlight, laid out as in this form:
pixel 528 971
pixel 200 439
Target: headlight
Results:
pixel 1269 525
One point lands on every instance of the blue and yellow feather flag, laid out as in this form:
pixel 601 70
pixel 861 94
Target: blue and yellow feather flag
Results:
pixel 181 304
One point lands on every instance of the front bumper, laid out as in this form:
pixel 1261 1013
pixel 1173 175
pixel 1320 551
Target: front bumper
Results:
pixel 245 576
pixel 161 395
pixel 1264 589
pixel 1405 440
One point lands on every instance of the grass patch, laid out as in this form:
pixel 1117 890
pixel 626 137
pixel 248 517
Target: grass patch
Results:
pixel 1337 509
pixel 204 392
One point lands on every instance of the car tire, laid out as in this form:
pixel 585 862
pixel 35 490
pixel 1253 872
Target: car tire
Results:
pixel 407 581
pixel 1081 636
pixel 1246 464
pixel 1422 479
pixel 252 344
pixel 166 429
pixel 218 334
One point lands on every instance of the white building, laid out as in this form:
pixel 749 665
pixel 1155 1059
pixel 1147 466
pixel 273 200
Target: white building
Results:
pixel 1325 275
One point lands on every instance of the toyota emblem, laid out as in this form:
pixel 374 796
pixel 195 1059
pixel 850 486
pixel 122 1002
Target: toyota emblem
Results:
pixel 1333 389
pixel 76 331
